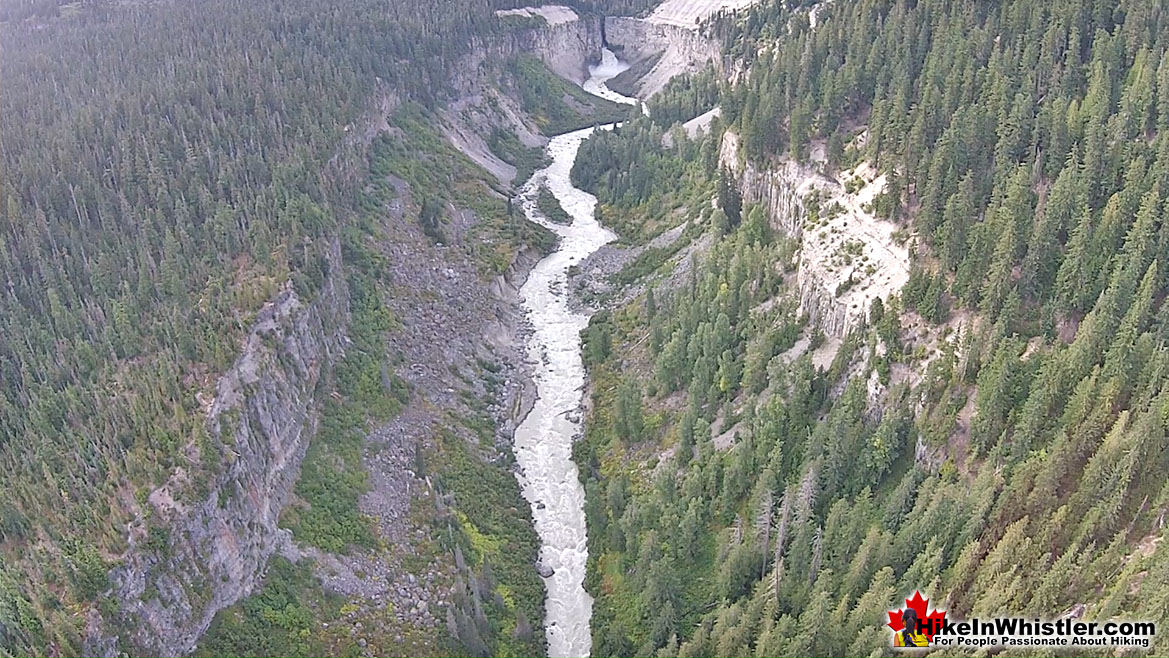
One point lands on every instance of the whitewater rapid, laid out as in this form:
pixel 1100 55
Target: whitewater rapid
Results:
pixel 543 441
pixel 609 68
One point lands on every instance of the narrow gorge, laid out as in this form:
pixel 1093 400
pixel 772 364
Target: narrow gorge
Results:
pixel 598 328
pixel 543 441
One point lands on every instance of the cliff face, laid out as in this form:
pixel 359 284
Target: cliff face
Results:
pixel 170 586
pixel 567 47
pixel 780 190
pixel 565 42
pixel 848 256
pixel 680 49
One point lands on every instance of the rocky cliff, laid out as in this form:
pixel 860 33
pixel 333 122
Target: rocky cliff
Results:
pixel 567 45
pixel 679 49
pixel 567 48
pixel 564 41
pixel 848 255
pixel 171 582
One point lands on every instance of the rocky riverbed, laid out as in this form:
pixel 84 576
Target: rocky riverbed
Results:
pixel 543 441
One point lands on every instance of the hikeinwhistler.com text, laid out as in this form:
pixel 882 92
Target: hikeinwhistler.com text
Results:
pixel 1018 632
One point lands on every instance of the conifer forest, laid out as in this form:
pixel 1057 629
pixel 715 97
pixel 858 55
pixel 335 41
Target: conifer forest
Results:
pixel 586 327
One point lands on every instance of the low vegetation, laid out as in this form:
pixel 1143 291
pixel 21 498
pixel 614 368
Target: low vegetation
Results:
pixel 502 598
pixel 507 147
pixel 550 207
pixel 332 476
pixel 285 618
pixel 441 176
pixel 556 105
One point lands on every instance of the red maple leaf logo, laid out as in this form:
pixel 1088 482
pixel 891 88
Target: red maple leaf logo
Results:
pixel 930 623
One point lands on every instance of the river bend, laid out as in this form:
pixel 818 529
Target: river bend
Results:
pixel 543 441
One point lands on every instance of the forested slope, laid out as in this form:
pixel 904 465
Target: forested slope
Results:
pixel 182 183
pixel 994 436
pixel 144 220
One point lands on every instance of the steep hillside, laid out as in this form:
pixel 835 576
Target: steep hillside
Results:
pixel 979 191
pixel 886 312
pixel 259 302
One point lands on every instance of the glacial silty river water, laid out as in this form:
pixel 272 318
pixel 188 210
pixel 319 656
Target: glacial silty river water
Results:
pixel 609 68
pixel 543 441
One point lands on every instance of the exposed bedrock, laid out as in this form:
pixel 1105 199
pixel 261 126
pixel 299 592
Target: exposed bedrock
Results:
pixel 218 540
pixel 566 45
pixel 679 49
pixel 848 256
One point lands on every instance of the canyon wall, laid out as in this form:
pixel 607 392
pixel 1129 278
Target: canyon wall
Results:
pixel 220 533
pixel 201 541
pixel 566 47
pixel 679 50
pixel 848 256
pixel 566 43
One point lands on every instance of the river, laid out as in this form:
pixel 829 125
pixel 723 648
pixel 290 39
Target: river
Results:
pixel 543 441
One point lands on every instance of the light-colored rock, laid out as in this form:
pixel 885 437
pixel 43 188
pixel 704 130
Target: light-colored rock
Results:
pixel 694 127
pixel 681 49
pixel 553 14
pixel 566 43
pixel 689 13
pixel 567 48
pixel 471 144
pixel 701 123
pixel 849 257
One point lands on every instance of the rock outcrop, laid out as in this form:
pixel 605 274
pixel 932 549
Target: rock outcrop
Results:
pixel 690 13
pixel 171 583
pixel 848 256
pixel 679 49
pixel 567 45
pixel 563 40
pixel 567 48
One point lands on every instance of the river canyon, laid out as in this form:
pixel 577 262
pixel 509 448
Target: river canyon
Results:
pixel 543 441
